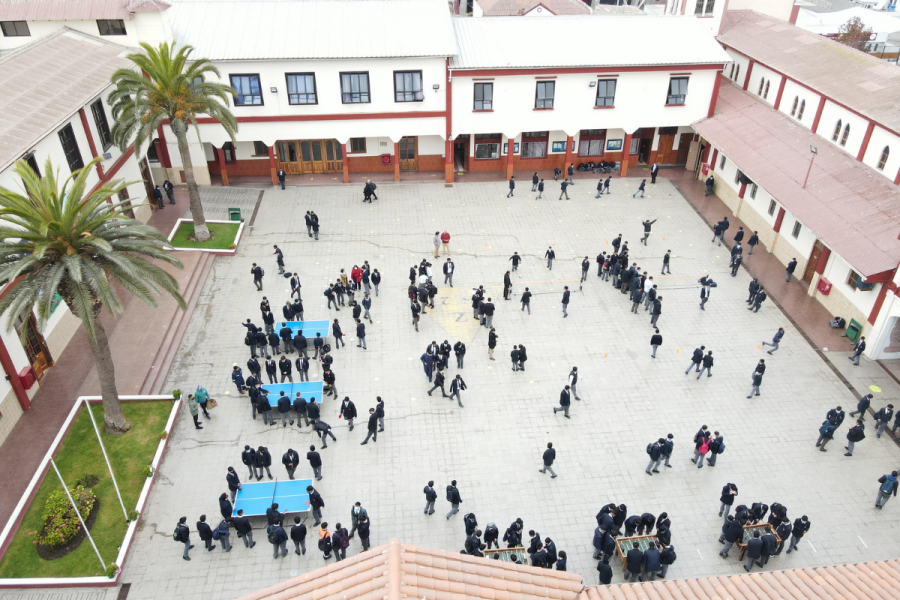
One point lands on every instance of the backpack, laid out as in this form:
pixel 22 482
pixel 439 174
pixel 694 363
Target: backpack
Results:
pixel 704 446
pixel 826 428
pixel 175 535
pixel 247 340
pixel 449 493
pixel 721 447
pixel 649 447
pixel 326 292
pixel 262 271
pixel 273 536
pixel 216 534
pixel 888 486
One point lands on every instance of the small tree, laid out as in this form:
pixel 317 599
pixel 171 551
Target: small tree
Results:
pixel 172 91
pixel 855 34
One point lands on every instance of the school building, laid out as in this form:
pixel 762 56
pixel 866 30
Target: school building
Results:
pixel 804 145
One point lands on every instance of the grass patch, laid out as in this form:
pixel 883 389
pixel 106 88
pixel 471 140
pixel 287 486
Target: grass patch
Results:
pixel 222 239
pixel 79 454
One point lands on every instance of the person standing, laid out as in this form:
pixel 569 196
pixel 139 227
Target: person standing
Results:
pixel 492 342
pixel 655 453
pixel 298 536
pixel 654 170
pixel 756 381
pixel 157 195
pixel 606 184
pixel 716 447
pixel 585 266
pixel 361 334
pixel 183 534
pixel 727 499
pixel 775 340
pixel 507 286
pixel 278 537
pixel 534 182
pixel 348 411
pixel 883 418
pixel 223 532
pixel 701 446
pixel 340 541
pixel 279 260
pixel 195 411
pixel 704 295
pixel 655 342
pixel 315 223
pixel 564 402
pixel 888 487
pixel 281 177
pixel 460 350
pixel 290 460
pixel 170 191
pixel 550 456
pixel 565 301
pixel 448 272
pixel 754 240
pixel 657 310
pixel 258 274
pixel 634 562
pixel 487 308
pixel 640 188
pixel 573 381
pixel 550 255
pixel 430 497
pixel 456 386
pixel 599 188
pixel 454 499
pixel 736 264
pixel 512 186
pixel 445 242
pixel 858 349
pixel 571 172
pixel 563 191
pixel 263 460
pixel 754 550
pixel 243 529
pixel 666 259
pixel 801 526
pixel 856 434
pixel 790 269
pixel 526 301
pixel 540 189
pixel 205 533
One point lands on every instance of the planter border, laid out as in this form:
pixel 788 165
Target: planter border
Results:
pixel 216 252
pixel 12 525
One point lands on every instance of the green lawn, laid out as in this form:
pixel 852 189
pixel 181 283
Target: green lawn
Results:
pixel 79 454
pixel 223 236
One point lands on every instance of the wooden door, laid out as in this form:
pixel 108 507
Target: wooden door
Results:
pixel 813 261
pixel 664 153
pixel 318 156
pixel 684 146
pixel 287 157
pixel 409 154
pixel 35 346
pixel 148 182
pixel 333 156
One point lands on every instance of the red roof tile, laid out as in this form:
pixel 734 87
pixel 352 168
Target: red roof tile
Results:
pixel 76 10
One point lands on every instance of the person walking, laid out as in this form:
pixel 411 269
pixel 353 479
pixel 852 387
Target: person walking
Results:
pixel 430 497
pixel 707 365
pixel 775 340
pixel 790 269
pixel 448 272
pixel 507 285
pixel 640 188
pixel 526 301
pixel 205 533
pixel 170 191
pixel 456 386
pixel 439 383
pixel 754 240
pixel 856 434
pixel 459 349
pixel 656 341
pixel 801 526
pixel 754 288
pixel 550 255
pixel 562 186
pixel 540 189
pixel 571 172
pixel 756 381
pixel 512 186
pixel 454 499
pixel 534 182
pixel 599 188
pixel 862 406
pixel 665 265
pixel 657 310
pixel 758 299
pixel 564 402
pixel 183 534
pixel 727 499
pixel 655 453
pixel 279 260
pixel 347 411
pixel 573 381
pixel 858 349
pixel 372 428
pixel 704 295
pixel 888 487
pixel 222 533
pixel 201 397
pixel 492 342
pixel 550 455
pixel 736 264
pixel 696 359
pixel 654 170
pixel 565 301
pixel 606 185
pixel 883 418
pixel 258 275
pixel 710 181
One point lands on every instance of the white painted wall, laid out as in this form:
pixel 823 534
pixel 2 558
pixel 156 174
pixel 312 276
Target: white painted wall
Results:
pixel 40 29
pixel 734 74
pixel 803 243
pixel 793 90
pixel 640 102
pixel 761 73
pixel 831 113
pixel 837 271
pixel 881 138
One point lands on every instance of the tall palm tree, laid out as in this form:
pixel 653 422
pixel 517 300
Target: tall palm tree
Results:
pixel 171 90
pixel 60 240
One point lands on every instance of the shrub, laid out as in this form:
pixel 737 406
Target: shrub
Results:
pixel 87 481
pixel 148 470
pixel 176 394
pixel 60 521
pixel 111 570
pixel 164 434
pixel 133 515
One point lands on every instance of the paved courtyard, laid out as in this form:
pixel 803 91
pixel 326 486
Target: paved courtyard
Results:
pixel 493 445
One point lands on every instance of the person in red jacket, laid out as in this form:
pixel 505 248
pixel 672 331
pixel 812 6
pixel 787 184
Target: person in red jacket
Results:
pixel 445 242
pixel 356 276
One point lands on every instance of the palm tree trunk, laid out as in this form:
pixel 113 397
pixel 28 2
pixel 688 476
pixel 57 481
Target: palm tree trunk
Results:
pixel 201 231
pixel 113 417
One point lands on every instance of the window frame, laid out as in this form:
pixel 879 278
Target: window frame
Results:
pixel 704 8
pixel 766 92
pixel 496 149
pixel 356 150
pixel 367 93
pixel 722 162
pixel 256 148
pixel 795 231
pixel 802 109
pixel 238 94
pixel 534 139
pixel 73 154
pixel 314 94
pixel 102 124
pixel 737 72
pixel 753 190
pixel 421 91
pixel 795 105
pixel 845 135
pixel 837 131
pixel 610 99
pixel 109 29
pixel 540 102
pixel 772 206
pixel 591 137
pixel 856 282
pixel 885 156
pixel 231 150
pixel 475 99
pixel 762 83
pixel 683 96
pixel 16 25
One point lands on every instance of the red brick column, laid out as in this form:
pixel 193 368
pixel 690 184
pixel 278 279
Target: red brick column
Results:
pixel 823 260
pixel 346 163
pixel 511 144
pixel 778 220
pixel 397 161
pixel 272 166
pixel 221 155
pixel 742 191
pixel 626 155
pixel 569 139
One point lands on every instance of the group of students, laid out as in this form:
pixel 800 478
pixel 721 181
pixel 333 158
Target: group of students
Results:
pixel 644 565
pixel 629 280
pixel 422 289
pixel 542 553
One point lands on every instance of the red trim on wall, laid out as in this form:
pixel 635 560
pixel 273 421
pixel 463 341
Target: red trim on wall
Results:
pixel 626 149
pixel 562 71
pixel 715 95
pixel 879 301
pixel 114 168
pixel 674 74
pixel 897 178
pixel 569 140
pixel 274 168
pixel 8 366
pixel 779 220
pixel 346 117
pixel 164 157
pixel 865 142
pixel 742 191
pixel 484 79
pixel 396 163
pixel 780 91
pixel 90 139
pixel 448 143
pixel 715 156
pixel 823 260
pixel 795 12
pixel 747 75
pixel 815 123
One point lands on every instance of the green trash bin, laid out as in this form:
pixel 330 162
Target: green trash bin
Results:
pixel 234 214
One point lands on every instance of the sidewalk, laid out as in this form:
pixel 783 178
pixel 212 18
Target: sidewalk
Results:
pixel 804 311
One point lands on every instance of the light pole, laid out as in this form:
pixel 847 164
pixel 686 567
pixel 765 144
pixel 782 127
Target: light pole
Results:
pixel 811 159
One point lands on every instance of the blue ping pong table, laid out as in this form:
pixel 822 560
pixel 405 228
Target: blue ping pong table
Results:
pixel 309 328
pixel 255 498
pixel 309 390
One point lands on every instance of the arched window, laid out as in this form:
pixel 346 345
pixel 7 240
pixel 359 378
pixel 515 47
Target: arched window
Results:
pixel 737 73
pixel 794 107
pixel 837 131
pixel 731 73
pixel 884 157
pixel 766 93
pixel 762 82
pixel 846 134
pixel 800 112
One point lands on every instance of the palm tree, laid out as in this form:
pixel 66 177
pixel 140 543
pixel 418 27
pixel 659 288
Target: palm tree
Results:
pixel 172 90
pixel 61 240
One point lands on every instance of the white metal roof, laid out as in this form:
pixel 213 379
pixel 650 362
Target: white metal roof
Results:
pixel 313 29
pixel 830 22
pixel 46 82
pixel 583 41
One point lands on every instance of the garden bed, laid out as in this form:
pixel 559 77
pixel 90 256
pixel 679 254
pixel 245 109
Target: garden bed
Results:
pixel 77 455
pixel 224 240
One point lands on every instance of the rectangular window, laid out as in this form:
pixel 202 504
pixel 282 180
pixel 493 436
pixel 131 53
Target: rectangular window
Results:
pixel 33 164
pixel 558 147
pixel 102 124
pixel 408 86
pixel 260 149
pixel 635 146
pixel 543 94
pixel 737 176
pixel 677 91
pixel 534 144
pixel 857 282
pixel 249 92
pixel 484 96
pixel 70 148
pixel 228 152
pixel 796 231
pixel 111 26
pixel 15 28
pixel 606 92
pixel 753 191
pixel 772 207
pixel 591 148
pixel 487 150
pixel 704 7
pixel 357 145
pixel 355 88
pixel 722 163
pixel 301 88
